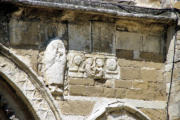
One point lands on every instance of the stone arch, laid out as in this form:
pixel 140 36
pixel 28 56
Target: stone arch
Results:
pixel 115 107
pixel 12 106
pixel 29 86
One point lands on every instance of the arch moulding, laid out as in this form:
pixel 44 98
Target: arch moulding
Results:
pixel 28 85
pixel 116 106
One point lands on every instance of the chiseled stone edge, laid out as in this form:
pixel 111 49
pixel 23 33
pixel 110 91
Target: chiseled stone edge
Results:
pixel 37 81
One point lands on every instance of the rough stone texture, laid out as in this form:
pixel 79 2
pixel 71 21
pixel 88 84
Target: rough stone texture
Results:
pixel 150 3
pixel 123 84
pixel 23 82
pixel 138 80
pixel 149 56
pixel 81 81
pixel 152 43
pixel 30 56
pixel 155 114
pixel 34 33
pixel 149 75
pixel 127 54
pixel 174 98
pixel 130 73
pixel 54 62
pixel 76 107
pixel 140 84
pixel 121 93
pixel 109 92
pixel 109 61
pixel 4 28
pixel 79 36
pixel 77 90
pixel 102 36
pixel 101 67
pixel 124 41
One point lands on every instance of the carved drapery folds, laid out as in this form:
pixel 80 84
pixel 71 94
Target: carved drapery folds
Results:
pixel 54 61
pixel 82 65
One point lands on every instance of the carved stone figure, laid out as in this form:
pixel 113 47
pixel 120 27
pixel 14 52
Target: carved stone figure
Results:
pixel 99 71
pixel 112 69
pixel 76 67
pixel 54 63
pixel 89 67
pixel 92 66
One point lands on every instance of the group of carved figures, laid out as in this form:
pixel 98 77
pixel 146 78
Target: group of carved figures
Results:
pixel 94 67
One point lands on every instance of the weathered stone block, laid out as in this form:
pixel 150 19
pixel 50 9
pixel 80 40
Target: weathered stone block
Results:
pixel 94 91
pixel 121 92
pixel 149 56
pixel 134 94
pixel 76 107
pixel 154 65
pixel 123 84
pixel 102 36
pixel 77 90
pixel 130 73
pixel 149 75
pixel 79 36
pixel 130 63
pixel 81 81
pixel 167 77
pixel 176 74
pixel 157 91
pixel 128 40
pixel 86 90
pixel 152 43
pixel 109 92
pixel 140 84
pixel 127 54
pixel 29 57
pixel 34 33
pixel 155 114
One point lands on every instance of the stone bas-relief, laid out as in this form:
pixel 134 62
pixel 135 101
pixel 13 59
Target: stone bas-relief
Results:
pixel 82 65
pixel 54 62
pixel 112 69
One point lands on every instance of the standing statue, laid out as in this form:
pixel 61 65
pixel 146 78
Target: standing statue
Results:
pixel 54 65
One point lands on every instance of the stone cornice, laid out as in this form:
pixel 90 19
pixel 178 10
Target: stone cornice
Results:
pixel 110 8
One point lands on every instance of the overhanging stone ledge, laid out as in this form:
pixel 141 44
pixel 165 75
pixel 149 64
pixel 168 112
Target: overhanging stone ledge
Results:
pixel 113 9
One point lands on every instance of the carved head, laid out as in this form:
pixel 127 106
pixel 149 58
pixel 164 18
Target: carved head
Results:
pixel 111 64
pixel 89 61
pixel 78 60
pixel 99 62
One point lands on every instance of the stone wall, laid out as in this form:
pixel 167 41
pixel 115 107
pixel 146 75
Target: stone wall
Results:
pixel 95 63
pixel 137 80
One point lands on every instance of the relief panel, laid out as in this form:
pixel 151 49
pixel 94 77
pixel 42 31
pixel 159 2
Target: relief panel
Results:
pixel 82 65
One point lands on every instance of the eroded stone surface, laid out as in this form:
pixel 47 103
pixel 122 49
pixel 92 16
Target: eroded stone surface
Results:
pixel 82 65
pixel 54 65
pixel 23 82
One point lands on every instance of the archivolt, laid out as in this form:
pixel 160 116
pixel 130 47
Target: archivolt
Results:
pixel 29 86
pixel 118 106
